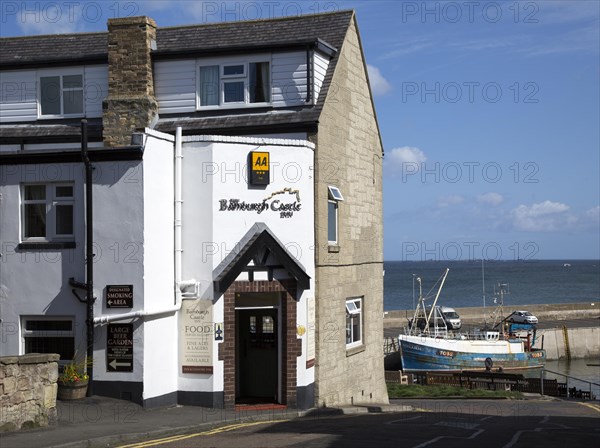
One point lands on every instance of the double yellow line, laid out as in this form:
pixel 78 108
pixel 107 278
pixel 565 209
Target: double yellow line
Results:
pixel 198 434
pixel 593 406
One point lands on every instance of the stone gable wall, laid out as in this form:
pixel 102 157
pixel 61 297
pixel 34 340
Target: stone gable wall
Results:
pixel 349 156
pixel 28 391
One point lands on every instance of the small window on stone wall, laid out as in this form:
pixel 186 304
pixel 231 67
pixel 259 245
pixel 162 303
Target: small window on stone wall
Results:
pixel 334 197
pixel 354 322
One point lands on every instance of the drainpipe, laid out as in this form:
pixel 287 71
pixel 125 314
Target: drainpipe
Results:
pixel 177 244
pixel 178 206
pixel 89 255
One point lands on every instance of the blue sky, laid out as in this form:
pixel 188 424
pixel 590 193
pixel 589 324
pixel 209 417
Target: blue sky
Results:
pixel 489 113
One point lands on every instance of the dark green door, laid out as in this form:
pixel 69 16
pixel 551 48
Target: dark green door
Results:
pixel 257 355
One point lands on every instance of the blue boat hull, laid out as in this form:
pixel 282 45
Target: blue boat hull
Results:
pixel 421 357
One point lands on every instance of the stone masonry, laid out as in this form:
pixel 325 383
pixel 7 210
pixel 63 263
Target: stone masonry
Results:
pixel 131 103
pixel 28 391
pixel 348 132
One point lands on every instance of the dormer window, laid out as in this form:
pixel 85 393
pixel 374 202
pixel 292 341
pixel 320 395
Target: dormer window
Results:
pixel 60 95
pixel 234 84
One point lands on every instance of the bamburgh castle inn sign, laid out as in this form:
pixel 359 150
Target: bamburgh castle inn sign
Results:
pixel 279 202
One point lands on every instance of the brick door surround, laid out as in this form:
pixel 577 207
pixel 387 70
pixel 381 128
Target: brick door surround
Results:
pixel 291 345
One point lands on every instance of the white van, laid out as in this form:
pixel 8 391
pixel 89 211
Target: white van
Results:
pixel 444 317
pixel 451 317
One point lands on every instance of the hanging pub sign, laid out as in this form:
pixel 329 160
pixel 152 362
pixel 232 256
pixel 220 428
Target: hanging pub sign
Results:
pixel 119 296
pixel 258 165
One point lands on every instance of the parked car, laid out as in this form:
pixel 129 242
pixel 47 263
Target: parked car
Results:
pixel 443 317
pixel 522 317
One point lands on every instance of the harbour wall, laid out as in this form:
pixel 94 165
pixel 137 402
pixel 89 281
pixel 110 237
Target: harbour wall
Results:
pixel 569 343
pixel 553 312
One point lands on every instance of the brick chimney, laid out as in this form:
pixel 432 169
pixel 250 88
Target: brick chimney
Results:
pixel 130 103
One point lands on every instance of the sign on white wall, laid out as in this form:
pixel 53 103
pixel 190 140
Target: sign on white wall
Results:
pixel 310 333
pixel 119 348
pixel 119 296
pixel 196 336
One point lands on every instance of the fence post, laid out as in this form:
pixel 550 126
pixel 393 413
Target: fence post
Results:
pixel 542 381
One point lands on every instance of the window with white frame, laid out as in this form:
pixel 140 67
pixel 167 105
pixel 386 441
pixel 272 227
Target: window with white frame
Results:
pixel 47 212
pixel 353 322
pixel 49 334
pixel 61 95
pixel 334 197
pixel 234 84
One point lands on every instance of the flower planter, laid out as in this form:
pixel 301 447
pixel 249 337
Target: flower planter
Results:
pixel 72 390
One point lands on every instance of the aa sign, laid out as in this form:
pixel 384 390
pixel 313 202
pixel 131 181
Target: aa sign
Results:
pixel 259 168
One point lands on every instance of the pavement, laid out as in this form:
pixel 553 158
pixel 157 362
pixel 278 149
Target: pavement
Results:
pixel 102 422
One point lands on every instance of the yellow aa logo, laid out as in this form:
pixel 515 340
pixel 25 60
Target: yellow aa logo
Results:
pixel 260 161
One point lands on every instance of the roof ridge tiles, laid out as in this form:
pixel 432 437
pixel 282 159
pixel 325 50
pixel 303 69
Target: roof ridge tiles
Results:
pixel 249 21
pixel 38 36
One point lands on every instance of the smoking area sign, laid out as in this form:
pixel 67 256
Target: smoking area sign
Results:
pixel 119 296
pixel 119 348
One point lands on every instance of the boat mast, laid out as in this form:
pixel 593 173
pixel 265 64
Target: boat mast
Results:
pixel 419 303
pixel 436 299
pixel 483 287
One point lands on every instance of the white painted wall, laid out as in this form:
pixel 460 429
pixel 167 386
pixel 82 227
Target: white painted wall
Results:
pixel 133 235
pixel 35 282
pixel 119 241
pixel 215 170
pixel 160 365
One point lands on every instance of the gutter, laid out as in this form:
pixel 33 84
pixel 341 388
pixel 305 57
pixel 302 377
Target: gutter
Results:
pixel 178 201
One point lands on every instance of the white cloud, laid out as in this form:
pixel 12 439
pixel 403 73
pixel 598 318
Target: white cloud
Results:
pixel 544 216
pixel 64 24
pixel 447 201
pixel 379 84
pixel 592 216
pixel 406 155
pixel 490 198
pixel 593 212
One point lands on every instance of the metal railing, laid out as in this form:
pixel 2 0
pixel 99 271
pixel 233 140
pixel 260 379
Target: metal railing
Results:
pixel 573 392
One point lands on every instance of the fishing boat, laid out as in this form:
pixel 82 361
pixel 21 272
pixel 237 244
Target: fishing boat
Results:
pixel 427 345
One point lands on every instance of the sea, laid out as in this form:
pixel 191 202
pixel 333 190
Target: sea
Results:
pixel 470 283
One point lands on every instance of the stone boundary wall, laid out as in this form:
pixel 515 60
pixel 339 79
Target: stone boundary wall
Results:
pixel 28 391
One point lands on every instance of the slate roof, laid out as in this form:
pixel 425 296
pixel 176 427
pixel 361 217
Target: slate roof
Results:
pixel 68 131
pixel 287 31
pixel 212 37
pixel 258 237
pixel 195 40
pixel 52 49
